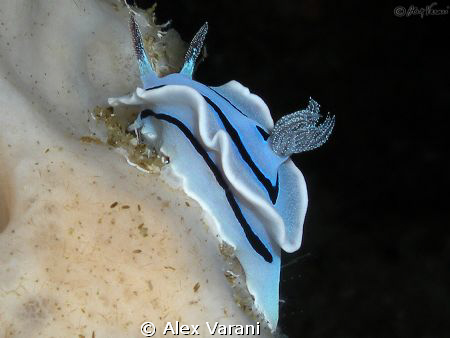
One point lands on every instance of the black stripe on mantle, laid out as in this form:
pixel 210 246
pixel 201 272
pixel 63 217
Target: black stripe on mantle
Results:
pixel 272 190
pixel 252 238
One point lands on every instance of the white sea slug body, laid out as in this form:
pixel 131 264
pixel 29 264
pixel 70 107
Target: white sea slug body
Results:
pixel 228 155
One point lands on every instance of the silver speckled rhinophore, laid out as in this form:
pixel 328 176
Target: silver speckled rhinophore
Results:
pixel 194 50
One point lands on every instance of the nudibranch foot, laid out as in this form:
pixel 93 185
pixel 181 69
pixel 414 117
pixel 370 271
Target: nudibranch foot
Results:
pixel 236 277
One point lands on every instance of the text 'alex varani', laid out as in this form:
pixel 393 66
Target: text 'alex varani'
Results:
pixel 213 328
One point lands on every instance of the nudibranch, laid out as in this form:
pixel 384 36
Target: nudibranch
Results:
pixel 227 154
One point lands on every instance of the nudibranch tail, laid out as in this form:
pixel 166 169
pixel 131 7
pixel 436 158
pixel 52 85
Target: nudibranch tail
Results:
pixel 194 51
pixel 300 131
pixel 147 74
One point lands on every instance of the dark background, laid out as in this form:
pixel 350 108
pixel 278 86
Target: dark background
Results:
pixel 375 258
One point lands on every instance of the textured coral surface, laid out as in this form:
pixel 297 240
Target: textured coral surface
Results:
pixel 89 246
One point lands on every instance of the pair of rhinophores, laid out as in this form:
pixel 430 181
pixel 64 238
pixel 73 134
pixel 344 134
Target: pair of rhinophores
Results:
pixel 227 154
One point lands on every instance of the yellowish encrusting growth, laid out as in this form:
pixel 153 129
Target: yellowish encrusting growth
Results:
pixel 118 137
pixel 235 276
pixel 165 48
